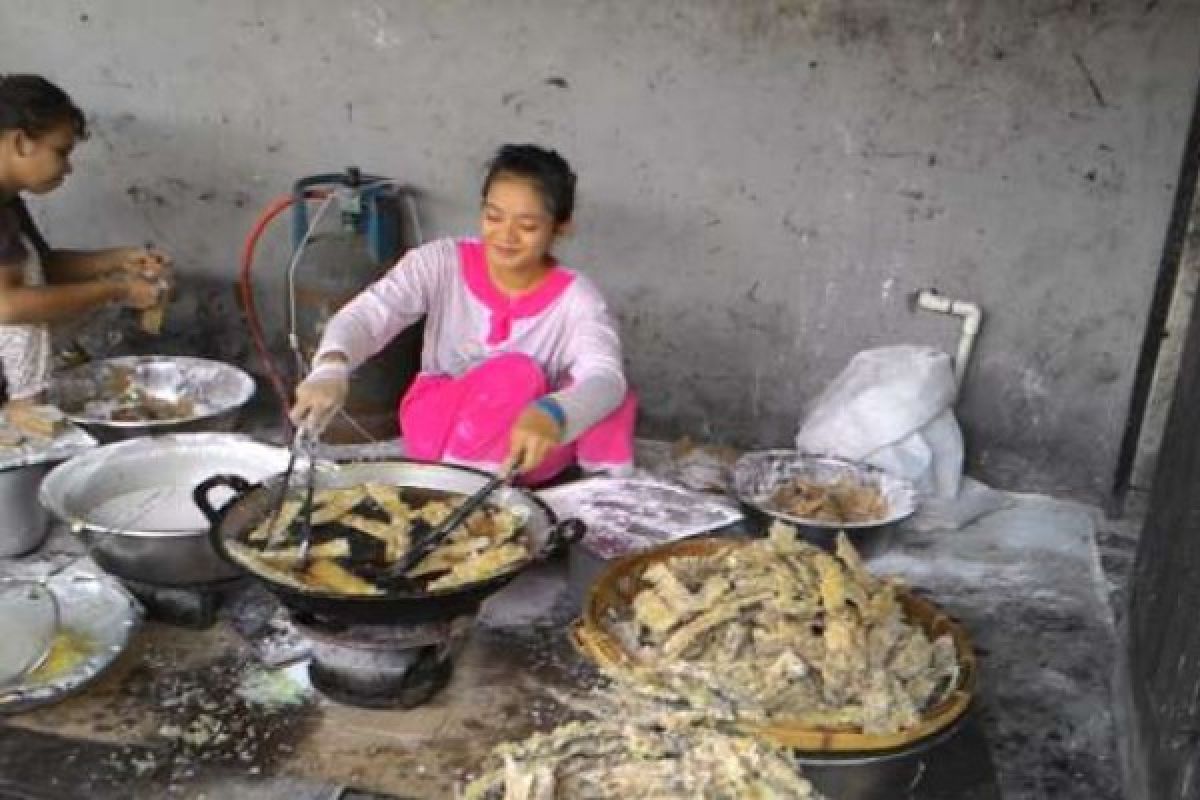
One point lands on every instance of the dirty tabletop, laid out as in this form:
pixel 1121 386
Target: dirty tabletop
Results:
pixel 171 719
pixel 194 714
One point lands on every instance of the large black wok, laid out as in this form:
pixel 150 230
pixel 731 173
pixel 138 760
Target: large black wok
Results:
pixel 544 535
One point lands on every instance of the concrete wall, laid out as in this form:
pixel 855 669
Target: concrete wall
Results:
pixel 762 183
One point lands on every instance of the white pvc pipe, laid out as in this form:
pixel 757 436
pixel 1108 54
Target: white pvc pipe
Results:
pixel 972 320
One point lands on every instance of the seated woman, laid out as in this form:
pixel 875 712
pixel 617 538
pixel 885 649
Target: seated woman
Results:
pixel 39 286
pixel 522 361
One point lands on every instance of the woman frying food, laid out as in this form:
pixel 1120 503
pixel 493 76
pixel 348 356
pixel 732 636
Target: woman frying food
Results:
pixel 522 361
pixel 39 126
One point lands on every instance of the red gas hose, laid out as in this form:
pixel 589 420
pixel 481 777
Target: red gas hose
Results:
pixel 246 290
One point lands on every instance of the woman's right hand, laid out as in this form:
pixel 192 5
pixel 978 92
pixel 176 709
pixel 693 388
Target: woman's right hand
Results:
pixel 138 292
pixel 320 396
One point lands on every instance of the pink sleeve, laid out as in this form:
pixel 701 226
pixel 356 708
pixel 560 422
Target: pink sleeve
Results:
pixel 366 324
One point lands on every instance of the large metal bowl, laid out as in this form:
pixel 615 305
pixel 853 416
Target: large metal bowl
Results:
pixel 131 502
pixel 217 391
pixel 757 476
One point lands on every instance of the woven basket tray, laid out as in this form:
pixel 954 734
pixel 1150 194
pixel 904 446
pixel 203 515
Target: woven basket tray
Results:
pixel 617 586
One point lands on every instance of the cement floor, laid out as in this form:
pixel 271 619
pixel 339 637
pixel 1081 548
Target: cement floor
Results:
pixel 1029 582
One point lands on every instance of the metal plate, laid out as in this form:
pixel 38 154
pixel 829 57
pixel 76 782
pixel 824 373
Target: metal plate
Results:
pixel 757 476
pixel 71 441
pixel 101 616
pixel 86 396
pixel 624 515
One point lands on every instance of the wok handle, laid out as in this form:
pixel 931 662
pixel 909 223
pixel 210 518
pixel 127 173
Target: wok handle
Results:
pixel 200 495
pixel 564 532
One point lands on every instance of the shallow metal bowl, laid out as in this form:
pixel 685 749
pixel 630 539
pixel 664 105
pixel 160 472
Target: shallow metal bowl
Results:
pixel 217 391
pixel 102 615
pixel 757 476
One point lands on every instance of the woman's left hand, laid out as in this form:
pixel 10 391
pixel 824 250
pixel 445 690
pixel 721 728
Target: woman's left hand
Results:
pixel 534 435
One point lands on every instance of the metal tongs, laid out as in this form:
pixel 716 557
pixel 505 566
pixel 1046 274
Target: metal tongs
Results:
pixel 303 444
pixel 426 537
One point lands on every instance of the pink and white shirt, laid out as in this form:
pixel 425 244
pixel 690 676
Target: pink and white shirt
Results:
pixel 563 325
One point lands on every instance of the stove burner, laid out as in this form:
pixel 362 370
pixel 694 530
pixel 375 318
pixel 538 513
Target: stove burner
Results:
pixel 382 666
pixel 184 606
pixel 416 678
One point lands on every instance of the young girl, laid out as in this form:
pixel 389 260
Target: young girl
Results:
pixel 39 126
pixel 522 362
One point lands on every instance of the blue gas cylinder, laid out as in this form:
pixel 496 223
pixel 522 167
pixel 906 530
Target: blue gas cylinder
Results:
pixel 359 238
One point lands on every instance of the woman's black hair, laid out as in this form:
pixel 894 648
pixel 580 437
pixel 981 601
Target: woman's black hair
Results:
pixel 545 169
pixel 32 104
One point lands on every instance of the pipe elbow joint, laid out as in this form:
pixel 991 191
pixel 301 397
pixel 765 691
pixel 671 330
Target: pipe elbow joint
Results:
pixel 930 300
pixel 972 316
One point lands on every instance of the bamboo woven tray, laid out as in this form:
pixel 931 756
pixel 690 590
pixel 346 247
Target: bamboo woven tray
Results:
pixel 621 581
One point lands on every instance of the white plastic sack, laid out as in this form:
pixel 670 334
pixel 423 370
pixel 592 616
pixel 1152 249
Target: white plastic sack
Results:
pixel 931 457
pixel 891 407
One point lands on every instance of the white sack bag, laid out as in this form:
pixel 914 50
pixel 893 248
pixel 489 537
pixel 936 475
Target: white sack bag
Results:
pixel 892 407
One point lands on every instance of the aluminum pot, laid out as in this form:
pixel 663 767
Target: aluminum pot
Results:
pixel 131 502
pixel 217 391
pixel 25 520
pixel 884 775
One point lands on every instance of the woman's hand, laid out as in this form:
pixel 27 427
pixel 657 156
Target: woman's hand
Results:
pixel 144 275
pixel 143 262
pixel 137 292
pixel 534 435
pixel 320 396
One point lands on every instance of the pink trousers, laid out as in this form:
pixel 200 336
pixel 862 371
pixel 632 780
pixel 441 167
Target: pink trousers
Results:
pixel 468 420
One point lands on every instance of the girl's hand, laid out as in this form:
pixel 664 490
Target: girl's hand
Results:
pixel 143 262
pixel 138 292
pixel 534 435
pixel 320 396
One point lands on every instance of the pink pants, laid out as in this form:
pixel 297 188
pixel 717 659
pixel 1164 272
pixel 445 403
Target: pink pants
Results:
pixel 469 419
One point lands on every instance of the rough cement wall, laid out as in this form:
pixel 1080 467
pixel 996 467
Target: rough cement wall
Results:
pixel 762 183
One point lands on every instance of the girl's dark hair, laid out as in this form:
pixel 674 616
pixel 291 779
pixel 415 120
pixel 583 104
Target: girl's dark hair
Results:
pixel 32 104
pixel 547 170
